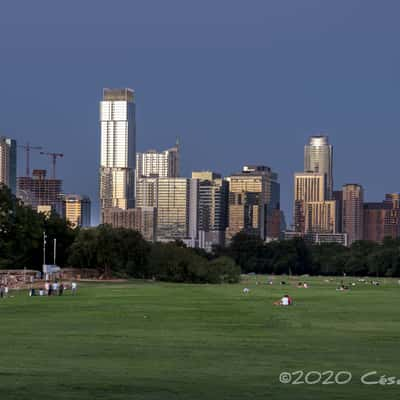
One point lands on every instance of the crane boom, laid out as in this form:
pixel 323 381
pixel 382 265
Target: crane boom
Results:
pixel 53 156
pixel 28 149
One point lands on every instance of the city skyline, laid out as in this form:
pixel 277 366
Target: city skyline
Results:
pixel 252 92
pixel 288 212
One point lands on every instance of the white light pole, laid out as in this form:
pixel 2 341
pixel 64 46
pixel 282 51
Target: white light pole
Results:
pixel 44 248
pixel 55 250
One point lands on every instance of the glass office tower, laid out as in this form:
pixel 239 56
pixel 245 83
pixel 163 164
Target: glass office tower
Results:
pixel 318 158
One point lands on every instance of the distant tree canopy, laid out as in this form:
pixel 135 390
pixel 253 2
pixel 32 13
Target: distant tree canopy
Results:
pixel 124 252
pixel 296 257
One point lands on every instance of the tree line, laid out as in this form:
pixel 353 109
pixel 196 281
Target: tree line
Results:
pixel 113 252
pixel 296 257
pixel 124 252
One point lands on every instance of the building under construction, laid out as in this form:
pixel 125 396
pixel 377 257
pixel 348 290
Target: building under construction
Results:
pixel 40 191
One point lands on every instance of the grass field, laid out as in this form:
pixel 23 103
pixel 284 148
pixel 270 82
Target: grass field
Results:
pixel 143 340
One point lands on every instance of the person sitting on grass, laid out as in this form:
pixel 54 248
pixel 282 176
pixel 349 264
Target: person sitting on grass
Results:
pixel 284 301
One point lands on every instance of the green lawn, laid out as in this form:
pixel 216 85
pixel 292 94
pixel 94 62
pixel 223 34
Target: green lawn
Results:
pixel 173 341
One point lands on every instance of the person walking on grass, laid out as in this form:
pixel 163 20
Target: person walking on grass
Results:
pixel 55 288
pixel 74 288
pixel 1 291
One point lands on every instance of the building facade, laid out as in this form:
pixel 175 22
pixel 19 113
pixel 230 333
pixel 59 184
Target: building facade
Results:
pixel 318 238
pixel 146 192
pixel 118 148
pixel 8 163
pixel 318 158
pixel 308 187
pixel 141 219
pixel 77 210
pixel 164 164
pixel 212 195
pixel 382 219
pixel 40 191
pixel 320 217
pixel 392 217
pixel 254 194
pixel 352 212
pixel 173 209
pixel 374 221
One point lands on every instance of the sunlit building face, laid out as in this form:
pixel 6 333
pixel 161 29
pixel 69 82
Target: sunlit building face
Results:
pixel 118 150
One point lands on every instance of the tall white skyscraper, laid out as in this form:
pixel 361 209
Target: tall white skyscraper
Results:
pixel 318 157
pixel 8 162
pixel 118 148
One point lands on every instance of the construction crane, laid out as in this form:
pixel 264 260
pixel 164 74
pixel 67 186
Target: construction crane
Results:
pixel 28 149
pixel 54 160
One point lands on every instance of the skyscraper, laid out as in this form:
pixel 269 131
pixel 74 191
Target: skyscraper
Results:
pixel 352 212
pixel 318 158
pixel 77 210
pixel 253 195
pixel 173 208
pixel 320 217
pixel 8 163
pixel 146 192
pixel 164 164
pixel 374 217
pixel 118 148
pixel 308 187
pixel 382 220
pixel 212 208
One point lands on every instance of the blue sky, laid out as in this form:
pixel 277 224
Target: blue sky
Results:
pixel 239 81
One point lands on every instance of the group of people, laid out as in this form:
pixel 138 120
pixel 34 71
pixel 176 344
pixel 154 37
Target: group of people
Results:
pixel 302 285
pixel 53 289
pixel 3 291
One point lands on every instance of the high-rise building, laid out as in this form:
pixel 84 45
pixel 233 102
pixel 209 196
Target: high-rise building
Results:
pixel 382 219
pixel 308 187
pixel 320 217
pixel 212 208
pixel 164 164
pixel 374 221
pixel 174 209
pixel 244 214
pixel 352 212
pixel 118 149
pixel 40 191
pixel 146 192
pixel 318 158
pixel 8 163
pixel 254 194
pixel 77 210
pixel 338 197
pixel 141 219
pixel 392 217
